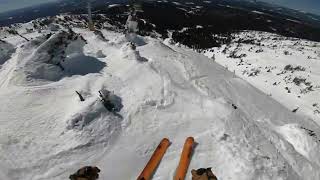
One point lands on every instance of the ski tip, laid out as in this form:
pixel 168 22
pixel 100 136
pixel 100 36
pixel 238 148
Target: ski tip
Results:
pixel 190 138
pixel 189 141
pixel 166 140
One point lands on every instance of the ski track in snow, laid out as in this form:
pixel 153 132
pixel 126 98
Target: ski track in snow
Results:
pixel 47 133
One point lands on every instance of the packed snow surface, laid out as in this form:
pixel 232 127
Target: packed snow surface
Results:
pixel 163 90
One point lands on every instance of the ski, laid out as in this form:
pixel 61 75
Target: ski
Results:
pixel 155 159
pixel 184 159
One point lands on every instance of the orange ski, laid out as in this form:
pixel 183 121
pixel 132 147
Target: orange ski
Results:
pixel 184 159
pixel 155 159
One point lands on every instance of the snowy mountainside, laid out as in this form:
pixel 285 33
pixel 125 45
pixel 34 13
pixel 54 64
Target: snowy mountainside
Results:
pixel 287 69
pixel 164 90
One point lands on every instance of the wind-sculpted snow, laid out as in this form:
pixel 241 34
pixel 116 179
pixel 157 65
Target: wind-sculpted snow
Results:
pixel 161 90
pixel 58 56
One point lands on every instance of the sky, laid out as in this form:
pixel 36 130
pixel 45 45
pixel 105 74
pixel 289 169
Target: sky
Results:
pixel 7 5
pixel 304 5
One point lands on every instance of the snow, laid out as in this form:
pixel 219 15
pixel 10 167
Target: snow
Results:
pixel 258 12
pixel 183 9
pixel 81 64
pixel 163 90
pixel 113 5
pixel 132 24
pixel 273 29
pixel 292 20
pixel 299 139
pixel 183 29
pixel 189 3
pixel 270 61
pixel 177 3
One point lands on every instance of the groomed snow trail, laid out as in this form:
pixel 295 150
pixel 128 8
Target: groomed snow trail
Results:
pixel 47 133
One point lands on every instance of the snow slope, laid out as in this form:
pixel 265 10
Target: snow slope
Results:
pixel 46 132
pixel 287 69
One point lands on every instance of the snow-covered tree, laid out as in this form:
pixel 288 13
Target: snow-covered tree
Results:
pixel 132 21
pixel 132 24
